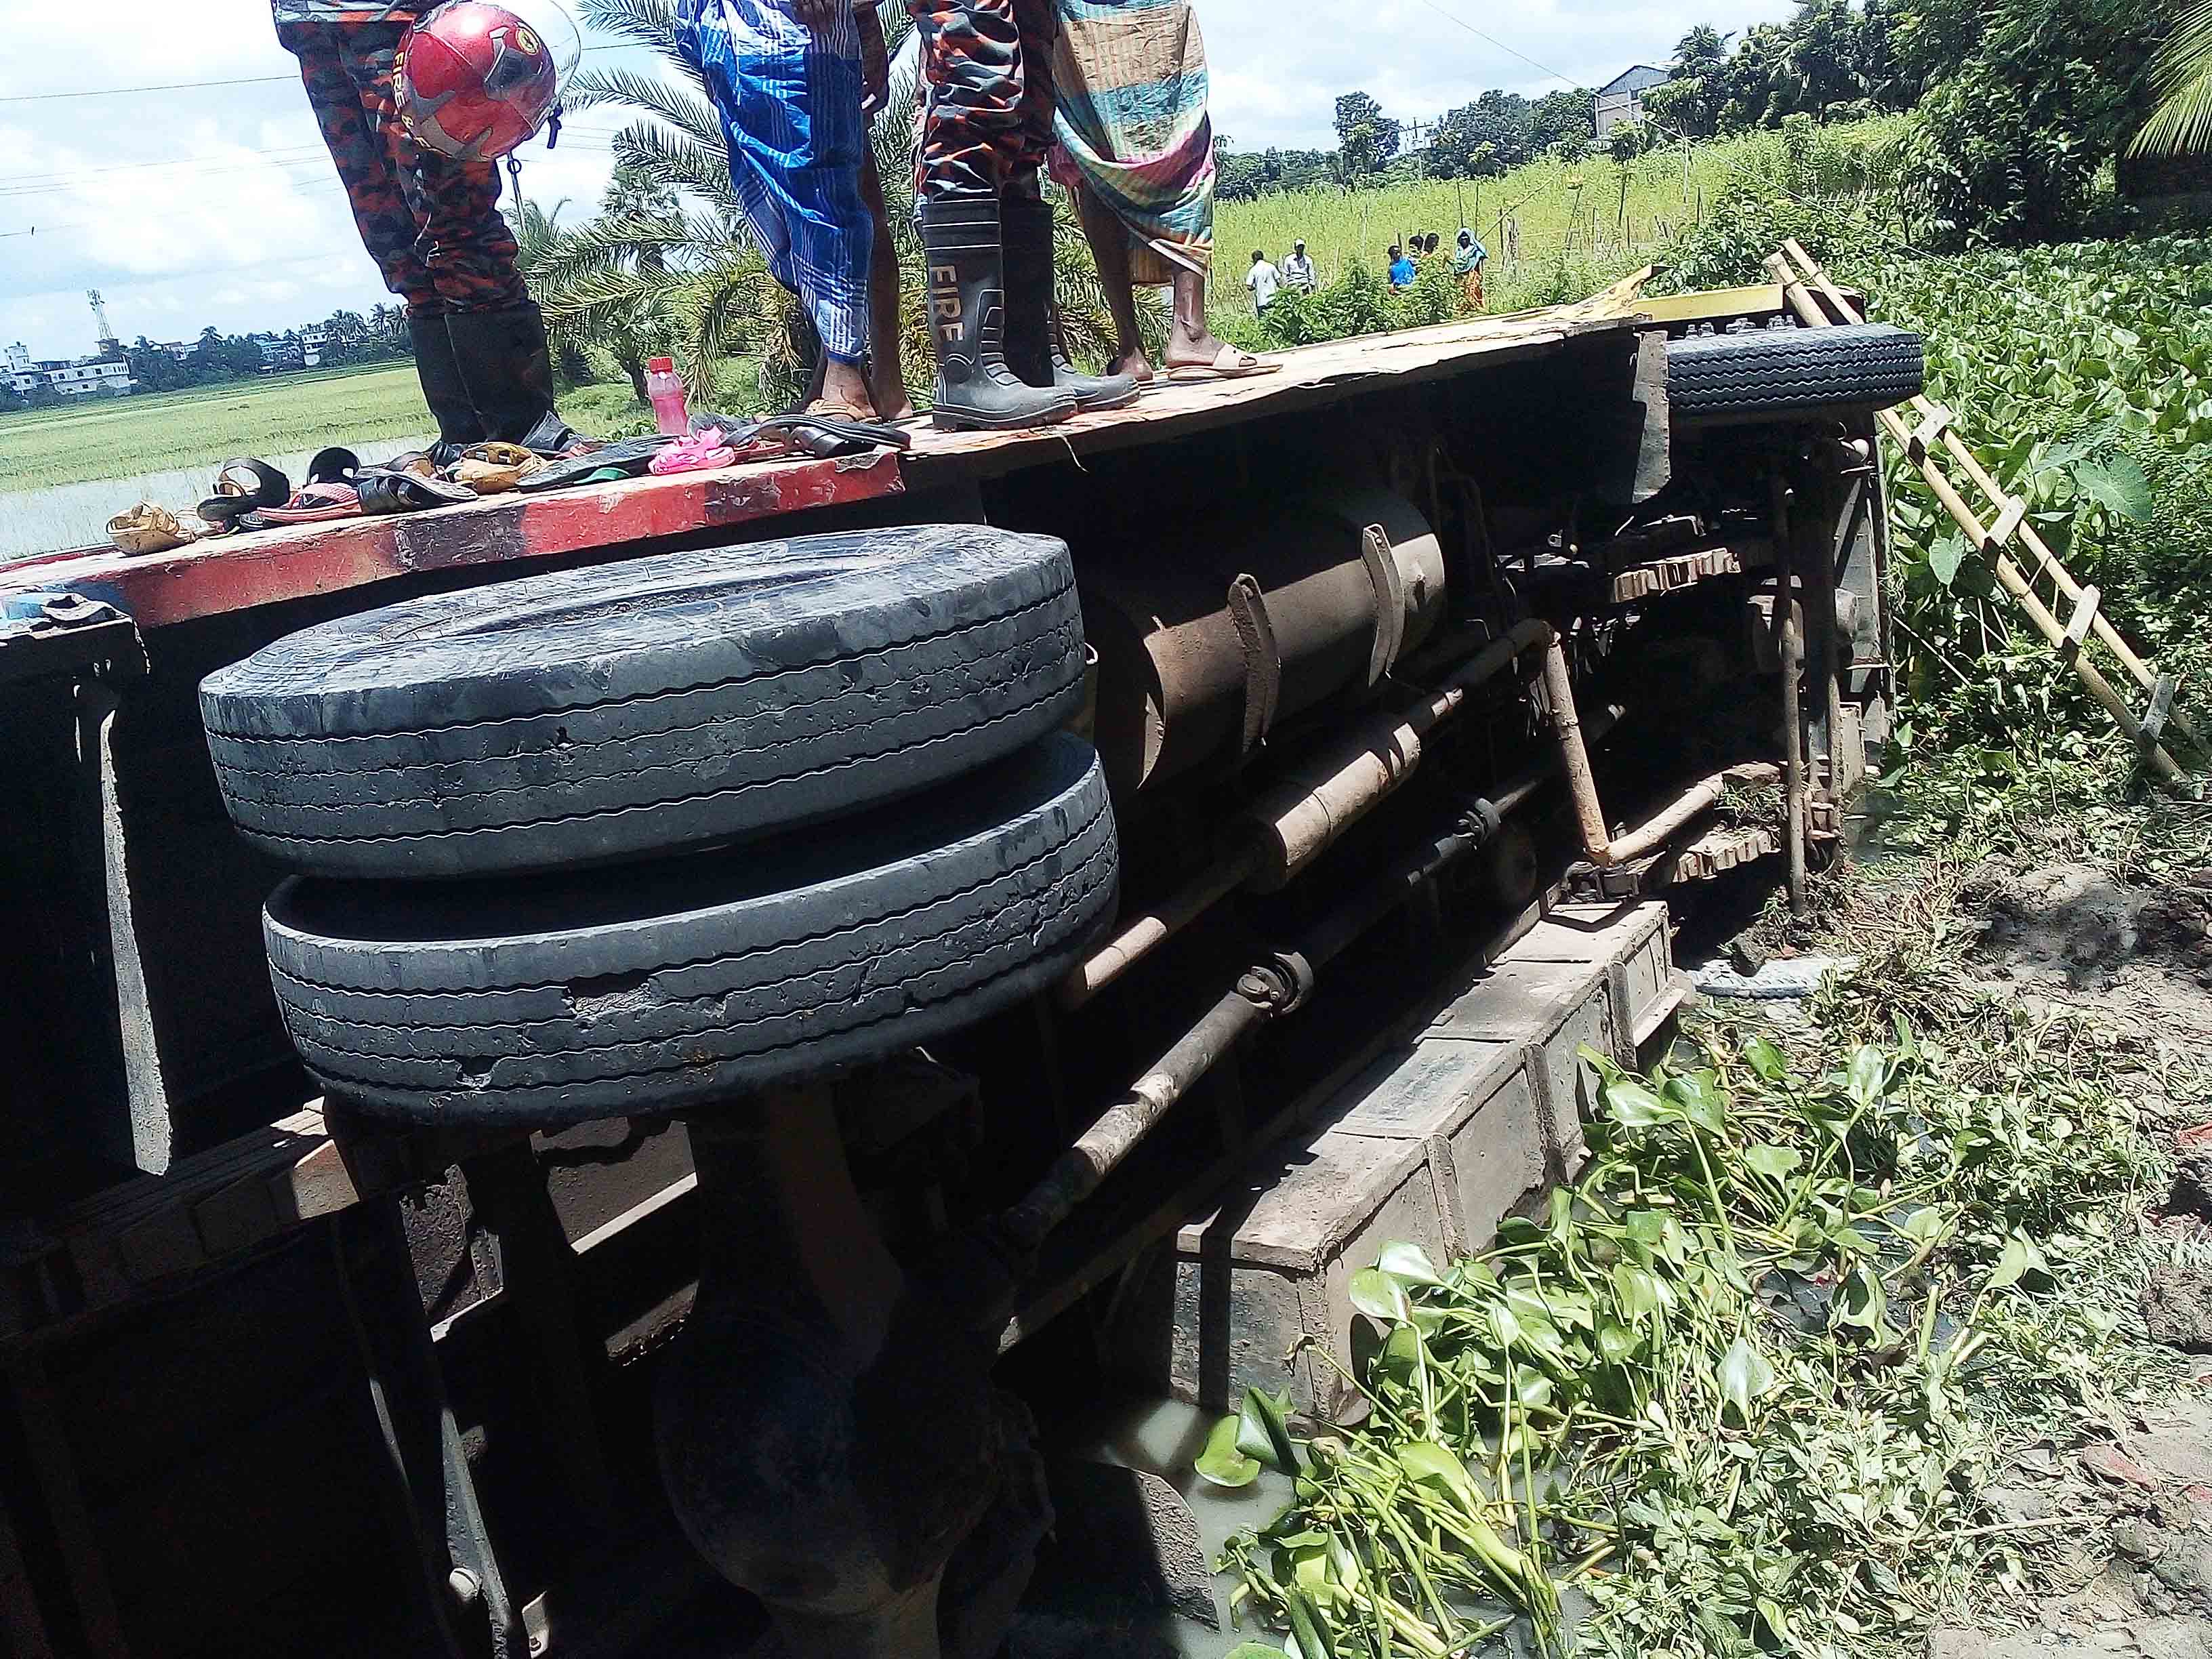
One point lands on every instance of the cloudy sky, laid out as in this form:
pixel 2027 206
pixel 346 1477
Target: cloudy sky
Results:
pixel 187 203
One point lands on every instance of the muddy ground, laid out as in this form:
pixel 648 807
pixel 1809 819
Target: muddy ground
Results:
pixel 2123 1521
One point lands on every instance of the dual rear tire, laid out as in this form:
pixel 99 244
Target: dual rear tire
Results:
pixel 632 839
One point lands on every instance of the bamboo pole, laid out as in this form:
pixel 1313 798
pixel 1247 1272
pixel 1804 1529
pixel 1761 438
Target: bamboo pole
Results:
pixel 2008 575
pixel 2046 562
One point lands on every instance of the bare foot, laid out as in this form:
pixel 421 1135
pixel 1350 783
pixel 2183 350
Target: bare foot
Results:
pixel 1135 365
pixel 844 393
pixel 1186 352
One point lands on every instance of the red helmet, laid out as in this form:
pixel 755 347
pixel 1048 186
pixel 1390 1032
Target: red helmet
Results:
pixel 474 80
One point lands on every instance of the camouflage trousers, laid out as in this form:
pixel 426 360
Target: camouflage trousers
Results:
pixel 432 224
pixel 986 124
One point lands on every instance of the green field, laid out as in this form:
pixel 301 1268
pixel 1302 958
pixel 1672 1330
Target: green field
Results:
pixel 1579 228
pixel 163 432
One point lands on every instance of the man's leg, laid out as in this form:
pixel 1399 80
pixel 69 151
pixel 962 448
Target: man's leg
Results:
pixel 886 335
pixel 971 59
pixel 334 59
pixel 1109 247
pixel 1037 24
pixel 497 335
pixel 971 52
pixel 795 128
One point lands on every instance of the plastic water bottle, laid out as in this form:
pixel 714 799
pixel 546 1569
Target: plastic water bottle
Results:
pixel 672 404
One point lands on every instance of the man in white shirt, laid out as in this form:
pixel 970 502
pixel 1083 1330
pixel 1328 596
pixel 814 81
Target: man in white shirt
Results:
pixel 1299 274
pixel 1263 280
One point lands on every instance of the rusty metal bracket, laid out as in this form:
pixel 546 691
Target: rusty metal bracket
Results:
pixel 49 634
pixel 1263 660
pixel 1383 572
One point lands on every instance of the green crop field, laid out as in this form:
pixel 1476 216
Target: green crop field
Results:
pixel 112 437
pixel 1581 224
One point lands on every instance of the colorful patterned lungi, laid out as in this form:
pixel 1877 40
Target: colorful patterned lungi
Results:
pixel 431 223
pixel 789 98
pixel 986 121
pixel 1133 128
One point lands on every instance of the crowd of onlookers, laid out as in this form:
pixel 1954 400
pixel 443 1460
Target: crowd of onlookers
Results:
pixel 1266 282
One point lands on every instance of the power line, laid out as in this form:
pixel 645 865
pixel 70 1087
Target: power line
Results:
pixel 7 179
pixel 64 184
pixel 301 187
pixel 125 91
pixel 196 86
pixel 1500 45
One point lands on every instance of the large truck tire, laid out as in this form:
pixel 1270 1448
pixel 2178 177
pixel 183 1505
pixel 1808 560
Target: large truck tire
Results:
pixel 681 982
pixel 1792 374
pixel 630 709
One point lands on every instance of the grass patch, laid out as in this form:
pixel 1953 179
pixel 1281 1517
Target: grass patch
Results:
pixel 1582 224
pixel 1739 1391
pixel 109 438
pixel 83 442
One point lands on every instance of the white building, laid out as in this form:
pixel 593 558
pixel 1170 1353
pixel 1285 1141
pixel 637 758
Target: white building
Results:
pixel 1620 100
pixel 87 377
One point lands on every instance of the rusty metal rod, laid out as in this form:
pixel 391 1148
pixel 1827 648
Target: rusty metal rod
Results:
pixel 1600 846
pixel 1793 754
pixel 1263 990
pixel 1292 824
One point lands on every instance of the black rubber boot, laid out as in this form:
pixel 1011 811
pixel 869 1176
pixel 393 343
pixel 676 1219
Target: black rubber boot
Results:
pixel 443 389
pixel 967 303
pixel 1033 346
pixel 508 370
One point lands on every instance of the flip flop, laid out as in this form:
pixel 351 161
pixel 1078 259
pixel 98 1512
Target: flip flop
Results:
pixel 333 465
pixel 241 487
pixel 148 528
pixel 493 469
pixel 626 459
pixel 1230 363
pixel 386 489
pixel 314 503
pixel 807 432
pixel 699 452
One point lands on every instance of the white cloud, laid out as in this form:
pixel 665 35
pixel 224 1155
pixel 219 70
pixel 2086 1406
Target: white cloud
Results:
pixel 217 205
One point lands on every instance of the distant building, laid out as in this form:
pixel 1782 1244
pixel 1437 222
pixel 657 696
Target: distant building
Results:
pixel 1620 100
pixel 86 377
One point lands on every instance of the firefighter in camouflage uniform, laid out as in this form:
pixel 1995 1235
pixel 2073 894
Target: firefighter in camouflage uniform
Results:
pixel 433 225
pixel 987 231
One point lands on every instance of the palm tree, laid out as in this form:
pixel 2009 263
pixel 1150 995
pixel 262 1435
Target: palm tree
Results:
pixel 1703 48
pixel 2181 75
pixel 689 261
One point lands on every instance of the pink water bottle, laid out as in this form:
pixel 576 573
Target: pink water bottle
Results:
pixel 672 406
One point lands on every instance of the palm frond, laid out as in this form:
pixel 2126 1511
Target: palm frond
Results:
pixel 643 22
pixel 608 242
pixel 2181 74
pixel 688 112
pixel 687 163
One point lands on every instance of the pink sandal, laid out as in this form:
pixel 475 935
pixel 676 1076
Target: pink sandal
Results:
pixel 702 452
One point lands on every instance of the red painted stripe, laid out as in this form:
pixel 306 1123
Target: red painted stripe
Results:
pixel 266 567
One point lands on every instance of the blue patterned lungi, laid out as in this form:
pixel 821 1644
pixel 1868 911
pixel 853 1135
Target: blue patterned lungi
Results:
pixel 790 102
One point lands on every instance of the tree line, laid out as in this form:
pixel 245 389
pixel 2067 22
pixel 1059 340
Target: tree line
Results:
pixel 349 337
pixel 2018 107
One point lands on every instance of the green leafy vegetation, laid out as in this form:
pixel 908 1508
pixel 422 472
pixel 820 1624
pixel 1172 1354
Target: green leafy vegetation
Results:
pixel 1738 1389
pixel 2082 376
